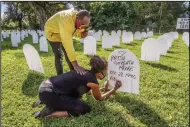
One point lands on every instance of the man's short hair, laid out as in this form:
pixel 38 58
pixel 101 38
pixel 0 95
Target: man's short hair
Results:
pixel 82 13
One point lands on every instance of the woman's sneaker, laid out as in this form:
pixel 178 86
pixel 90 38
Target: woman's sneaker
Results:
pixel 44 112
pixel 36 104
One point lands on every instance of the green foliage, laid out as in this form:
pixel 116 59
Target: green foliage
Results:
pixel 159 16
pixel 133 15
pixel 162 101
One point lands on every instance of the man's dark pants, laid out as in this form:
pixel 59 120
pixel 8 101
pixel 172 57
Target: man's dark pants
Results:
pixel 58 51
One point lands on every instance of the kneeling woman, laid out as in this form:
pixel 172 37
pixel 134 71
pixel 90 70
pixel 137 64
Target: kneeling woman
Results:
pixel 61 94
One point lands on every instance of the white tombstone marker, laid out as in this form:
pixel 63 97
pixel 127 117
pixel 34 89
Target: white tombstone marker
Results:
pixel 124 38
pixel 124 31
pixel 100 32
pixel 35 37
pixel 33 58
pixel 91 33
pixel 143 35
pixel 127 37
pixel 115 40
pixel 119 32
pixel 113 33
pixel 185 38
pixel 97 36
pixel 14 39
pixel 170 39
pixel 43 44
pixel 90 45
pixel 150 50
pixel 3 35
pixel 137 35
pixel 148 34
pixel 151 33
pixel 162 41
pixel 18 37
pixel 1 38
pixel 123 65
pixel 22 35
pixel 176 35
pixel 106 41
pixel 105 33
pixel 130 36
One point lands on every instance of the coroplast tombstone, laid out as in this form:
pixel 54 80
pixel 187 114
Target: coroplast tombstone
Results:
pixel 123 65
pixel 33 58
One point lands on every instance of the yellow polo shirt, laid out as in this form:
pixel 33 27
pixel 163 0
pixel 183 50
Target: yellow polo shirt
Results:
pixel 61 28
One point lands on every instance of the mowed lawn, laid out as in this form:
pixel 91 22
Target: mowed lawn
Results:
pixel 162 101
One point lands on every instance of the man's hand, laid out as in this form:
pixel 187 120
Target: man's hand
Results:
pixel 80 70
pixel 84 34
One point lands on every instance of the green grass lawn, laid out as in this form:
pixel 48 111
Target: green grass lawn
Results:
pixel 162 101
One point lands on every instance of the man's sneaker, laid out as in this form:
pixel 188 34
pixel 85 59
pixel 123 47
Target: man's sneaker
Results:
pixel 44 112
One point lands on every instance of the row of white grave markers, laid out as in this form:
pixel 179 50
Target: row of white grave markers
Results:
pixel 127 37
pixel 110 40
pixel 43 41
pixel 139 36
pixel 185 38
pixel 17 36
pixel 152 48
pixel 5 34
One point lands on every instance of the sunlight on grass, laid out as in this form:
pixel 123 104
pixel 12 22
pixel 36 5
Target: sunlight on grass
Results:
pixel 162 102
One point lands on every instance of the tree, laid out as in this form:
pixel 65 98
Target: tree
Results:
pixel 15 12
pixel 133 16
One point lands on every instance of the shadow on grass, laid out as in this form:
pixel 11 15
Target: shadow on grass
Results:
pixel 99 46
pixel 7 45
pixel 141 111
pixel 100 116
pixel 168 57
pixel 31 83
pixel 117 46
pixel 172 52
pixel 46 54
pixel 130 44
pixel 109 50
pixel 162 67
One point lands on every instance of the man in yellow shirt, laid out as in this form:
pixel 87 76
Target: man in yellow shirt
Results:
pixel 59 30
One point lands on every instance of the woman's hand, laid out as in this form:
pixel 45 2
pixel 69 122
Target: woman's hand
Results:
pixel 117 85
pixel 106 85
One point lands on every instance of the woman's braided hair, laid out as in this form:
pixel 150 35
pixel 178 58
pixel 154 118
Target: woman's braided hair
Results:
pixel 98 64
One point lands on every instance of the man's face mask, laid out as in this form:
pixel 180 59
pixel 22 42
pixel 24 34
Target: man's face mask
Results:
pixel 78 24
pixel 81 26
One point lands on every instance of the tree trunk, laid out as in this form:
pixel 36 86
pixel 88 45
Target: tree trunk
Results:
pixel 41 14
pixel 20 24
pixel 160 18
